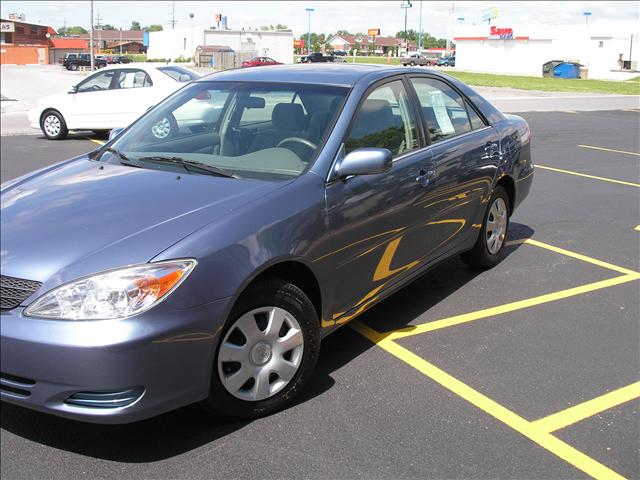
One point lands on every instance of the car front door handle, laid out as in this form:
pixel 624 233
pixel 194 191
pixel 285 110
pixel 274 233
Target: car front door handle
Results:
pixel 425 177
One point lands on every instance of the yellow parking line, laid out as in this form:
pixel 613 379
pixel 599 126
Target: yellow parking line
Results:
pixel 588 409
pixel 508 307
pixel 637 229
pixel 484 403
pixel 609 150
pixel 588 176
pixel 96 141
pixel 579 256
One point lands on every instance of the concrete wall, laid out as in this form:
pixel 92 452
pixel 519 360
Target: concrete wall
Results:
pixel 23 55
pixel 275 44
pixel 175 43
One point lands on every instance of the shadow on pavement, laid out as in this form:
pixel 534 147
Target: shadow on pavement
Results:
pixel 188 428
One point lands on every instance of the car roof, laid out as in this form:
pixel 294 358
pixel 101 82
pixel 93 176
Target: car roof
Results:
pixel 341 74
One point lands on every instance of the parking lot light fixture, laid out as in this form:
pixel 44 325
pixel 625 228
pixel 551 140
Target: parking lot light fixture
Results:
pixel 309 10
pixel 406 4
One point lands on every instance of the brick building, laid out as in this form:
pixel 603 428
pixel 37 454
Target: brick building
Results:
pixel 24 43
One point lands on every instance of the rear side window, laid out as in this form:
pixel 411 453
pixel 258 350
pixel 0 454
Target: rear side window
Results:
pixel 476 121
pixel 443 108
pixel 134 79
pixel 179 74
pixel 385 120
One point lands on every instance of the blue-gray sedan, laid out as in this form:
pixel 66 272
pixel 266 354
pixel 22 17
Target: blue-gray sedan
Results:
pixel 203 253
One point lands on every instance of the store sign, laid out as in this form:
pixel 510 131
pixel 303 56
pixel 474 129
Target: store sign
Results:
pixel 373 32
pixel 298 44
pixel 500 33
pixel 7 27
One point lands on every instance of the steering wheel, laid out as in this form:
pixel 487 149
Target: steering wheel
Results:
pixel 301 140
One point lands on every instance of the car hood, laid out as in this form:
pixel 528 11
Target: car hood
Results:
pixel 86 216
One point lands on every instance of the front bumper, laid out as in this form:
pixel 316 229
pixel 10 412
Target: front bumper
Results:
pixel 164 356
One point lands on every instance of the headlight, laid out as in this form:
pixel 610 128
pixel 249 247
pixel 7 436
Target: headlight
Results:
pixel 113 294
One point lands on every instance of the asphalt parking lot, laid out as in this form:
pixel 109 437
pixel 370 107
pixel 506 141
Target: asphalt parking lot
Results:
pixel 529 370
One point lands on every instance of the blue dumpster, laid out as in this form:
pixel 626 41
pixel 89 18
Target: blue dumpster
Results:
pixel 567 70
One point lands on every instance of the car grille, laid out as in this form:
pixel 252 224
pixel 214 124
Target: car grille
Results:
pixel 14 290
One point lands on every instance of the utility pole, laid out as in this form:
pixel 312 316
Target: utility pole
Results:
pixel 91 39
pixel 173 15
pixel 191 15
pixel 99 28
pixel 120 40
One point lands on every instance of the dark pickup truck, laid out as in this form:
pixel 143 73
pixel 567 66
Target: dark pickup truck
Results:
pixel 317 57
pixel 73 61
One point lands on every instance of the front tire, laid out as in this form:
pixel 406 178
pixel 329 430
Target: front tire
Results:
pixel 267 352
pixel 489 247
pixel 53 125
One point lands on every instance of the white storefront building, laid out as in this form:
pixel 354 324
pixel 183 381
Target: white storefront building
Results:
pixel 523 49
pixel 182 42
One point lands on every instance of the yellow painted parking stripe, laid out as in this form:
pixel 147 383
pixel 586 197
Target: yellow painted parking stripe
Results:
pixel 96 141
pixel 508 307
pixel 609 150
pixel 484 403
pixel 579 256
pixel 594 177
pixel 637 229
pixel 588 409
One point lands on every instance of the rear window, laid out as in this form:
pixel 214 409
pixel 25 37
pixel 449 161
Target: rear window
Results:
pixel 179 74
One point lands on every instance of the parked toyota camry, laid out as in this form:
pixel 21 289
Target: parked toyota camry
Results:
pixel 206 266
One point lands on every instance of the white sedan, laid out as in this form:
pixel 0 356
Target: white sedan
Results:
pixel 111 98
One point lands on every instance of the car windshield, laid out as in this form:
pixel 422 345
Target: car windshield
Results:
pixel 248 129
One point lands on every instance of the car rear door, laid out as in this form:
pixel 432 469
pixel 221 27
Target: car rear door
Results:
pixel 465 155
pixel 373 218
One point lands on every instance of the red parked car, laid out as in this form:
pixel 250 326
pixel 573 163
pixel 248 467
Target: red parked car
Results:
pixel 260 62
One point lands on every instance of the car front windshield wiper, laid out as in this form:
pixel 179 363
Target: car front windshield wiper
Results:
pixel 121 156
pixel 190 165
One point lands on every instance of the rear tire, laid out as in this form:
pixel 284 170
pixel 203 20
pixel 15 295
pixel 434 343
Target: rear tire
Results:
pixel 276 364
pixel 489 247
pixel 53 125
pixel 73 66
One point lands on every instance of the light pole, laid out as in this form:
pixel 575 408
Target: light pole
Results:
pixel 420 31
pixel 91 38
pixel 191 15
pixel 586 17
pixel 406 4
pixel 309 10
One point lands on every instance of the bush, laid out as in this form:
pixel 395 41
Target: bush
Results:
pixel 136 57
pixel 159 60
pixel 181 59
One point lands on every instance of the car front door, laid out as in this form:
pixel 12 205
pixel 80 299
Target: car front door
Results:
pixel 92 103
pixel 373 218
pixel 465 155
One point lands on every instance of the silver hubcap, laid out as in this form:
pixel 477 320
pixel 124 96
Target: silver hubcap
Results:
pixel 260 354
pixel 496 225
pixel 52 125
pixel 162 129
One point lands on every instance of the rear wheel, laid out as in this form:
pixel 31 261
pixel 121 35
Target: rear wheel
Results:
pixel 489 247
pixel 53 125
pixel 73 66
pixel 413 64
pixel 267 351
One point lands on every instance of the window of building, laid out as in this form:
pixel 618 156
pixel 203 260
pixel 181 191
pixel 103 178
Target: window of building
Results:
pixel 19 29
pixel 33 29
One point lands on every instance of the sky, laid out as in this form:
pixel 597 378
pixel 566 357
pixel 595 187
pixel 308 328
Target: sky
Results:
pixel 327 17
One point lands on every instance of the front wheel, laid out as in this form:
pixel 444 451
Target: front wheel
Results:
pixel 53 125
pixel 489 247
pixel 267 351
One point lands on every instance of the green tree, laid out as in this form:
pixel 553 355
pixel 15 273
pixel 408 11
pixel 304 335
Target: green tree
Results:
pixel 343 32
pixel 108 26
pixel 71 31
pixel 135 25
pixel 280 26
pixel 153 28
pixel 411 35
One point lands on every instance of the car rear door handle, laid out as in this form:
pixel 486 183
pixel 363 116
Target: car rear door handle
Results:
pixel 425 177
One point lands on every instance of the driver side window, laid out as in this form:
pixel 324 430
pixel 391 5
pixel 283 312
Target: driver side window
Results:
pixel 98 82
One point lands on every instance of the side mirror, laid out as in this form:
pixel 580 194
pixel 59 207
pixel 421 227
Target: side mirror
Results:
pixel 114 133
pixel 365 161
pixel 73 89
